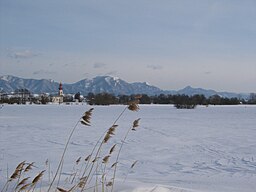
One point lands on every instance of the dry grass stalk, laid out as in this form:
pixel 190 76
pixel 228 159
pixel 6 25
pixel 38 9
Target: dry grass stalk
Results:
pixel 88 157
pixel 84 123
pixel 135 124
pixel 85 120
pixel 20 165
pixel 109 184
pixel 95 159
pixel 65 190
pixel 78 160
pixel 105 159
pixel 134 164
pixel 87 117
pixel 82 182
pixel 38 177
pixel 112 149
pixel 112 129
pixel 22 182
pixel 62 190
pixel 134 105
pixel 25 187
pixel 114 164
pixel 16 174
pixel 103 182
pixel 106 138
pixel 29 167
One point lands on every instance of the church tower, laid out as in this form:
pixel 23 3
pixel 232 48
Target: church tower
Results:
pixel 58 98
pixel 60 90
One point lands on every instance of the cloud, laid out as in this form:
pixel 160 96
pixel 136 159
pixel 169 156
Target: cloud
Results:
pixel 155 67
pixel 44 72
pixel 99 65
pixel 24 54
pixel 111 73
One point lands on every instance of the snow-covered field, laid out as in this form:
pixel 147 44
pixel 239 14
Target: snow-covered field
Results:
pixel 211 149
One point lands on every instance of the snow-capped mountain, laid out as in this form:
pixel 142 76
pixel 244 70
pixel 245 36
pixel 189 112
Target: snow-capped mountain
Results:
pixel 100 84
pixel 113 85
pixel 10 83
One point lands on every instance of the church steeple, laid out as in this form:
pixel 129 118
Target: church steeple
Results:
pixel 60 90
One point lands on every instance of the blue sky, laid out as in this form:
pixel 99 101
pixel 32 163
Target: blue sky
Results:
pixel 167 43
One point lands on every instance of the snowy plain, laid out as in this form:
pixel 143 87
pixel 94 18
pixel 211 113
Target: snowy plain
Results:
pixel 210 149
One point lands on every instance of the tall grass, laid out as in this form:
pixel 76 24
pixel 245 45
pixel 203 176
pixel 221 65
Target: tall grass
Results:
pixel 96 172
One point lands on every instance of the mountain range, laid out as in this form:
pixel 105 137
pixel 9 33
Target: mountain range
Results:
pixel 101 84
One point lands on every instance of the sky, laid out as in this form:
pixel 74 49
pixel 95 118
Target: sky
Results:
pixel 167 43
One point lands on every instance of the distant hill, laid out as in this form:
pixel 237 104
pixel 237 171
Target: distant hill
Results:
pixel 10 83
pixel 207 93
pixel 100 84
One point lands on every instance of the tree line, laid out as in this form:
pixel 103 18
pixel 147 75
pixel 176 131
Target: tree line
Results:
pixel 180 101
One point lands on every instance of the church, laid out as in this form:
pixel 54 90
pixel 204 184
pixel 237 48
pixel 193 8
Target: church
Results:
pixel 59 97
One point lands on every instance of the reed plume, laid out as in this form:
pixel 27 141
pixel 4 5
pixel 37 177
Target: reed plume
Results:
pixel 25 187
pixel 134 105
pixel 105 159
pixel 16 174
pixel 135 125
pixel 38 177
pixel 22 182
pixel 29 167
pixel 85 120
pixel 62 190
pixel 112 149
pixel 91 168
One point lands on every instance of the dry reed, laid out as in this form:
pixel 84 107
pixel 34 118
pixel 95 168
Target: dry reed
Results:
pixel 92 160
pixel 85 120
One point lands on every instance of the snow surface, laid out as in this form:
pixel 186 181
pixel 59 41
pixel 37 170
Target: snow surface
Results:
pixel 211 149
pixel 109 80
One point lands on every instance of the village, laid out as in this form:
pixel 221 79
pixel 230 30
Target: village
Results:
pixel 24 96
